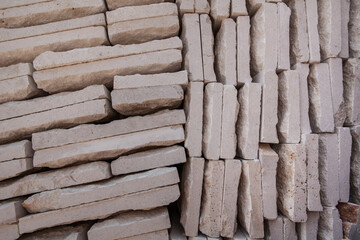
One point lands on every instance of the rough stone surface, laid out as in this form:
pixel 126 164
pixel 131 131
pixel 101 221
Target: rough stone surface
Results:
pixel 186 6
pixel 157 235
pixel 352 91
pixel 345 18
pixel 16 150
pixel 11 3
pixel 219 10
pixel 248 124
pixel 238 8
pixel 202 7
pixel 253 6
pixel 289 229
pixel 355 166
pixel 274 229
pixel 77 232
pixel 309 229
pixel 312 29
pixel 354 27
pixel 283 58
pixel 16 167
pixel 243 49
pixel 17 70
pixel 344 143
pixel 176 232
pixel 330 225
pixel 350 215
pixel 207 47
pixel 11 211
pixel 114 4
pixel 9 231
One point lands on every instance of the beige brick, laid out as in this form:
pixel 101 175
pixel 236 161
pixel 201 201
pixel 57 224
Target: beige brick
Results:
pixel 351 95
pixel 354 165
pixel 330 224
pixel 309 229
pixel 354 25
pixel 17 70
pixel 243 49
pixel 207 47
pixel 238 8
pixel 202 7
pixel 16 167
pixel 16 150
pixel 113 4
pixel 344 143
pixel 219 10
pixel 283 58
pixel 186 6
pixel 345 18
pixel 18 88
pixel 11 211
pixel 9 231
pixel 312 30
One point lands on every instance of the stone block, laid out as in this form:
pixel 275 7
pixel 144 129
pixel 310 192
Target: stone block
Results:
pixel 11 211
pixel 351 95
pixel 10 3
pixel 9 231
pixel 355 166
pixel 219 10
pixel 17 70
pixel 186 6
pixel 312 30
pixel 308 230
pixel 274 229
pixel 207 47
pixel 176 232
pixel 202 7
pixel 330 224
pixel 243 49
pixel 157 235
pixel 238 8
pixel 253 6
pixel 16 150
pixel 114 4
pixel 289 229
pixel 354 26
pixel 16 167
pixel 349 214
pixel 345 19
pixel 283 57
pixel 344 143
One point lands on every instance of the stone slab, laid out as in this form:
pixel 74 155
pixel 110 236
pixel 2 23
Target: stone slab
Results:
pixel 207 47
pixel 248 124
pixel 202 7
pixel 345 19
pixel 16 150
pixel 191 190
pixel 219 10
pixel 11 211
pixel 243 49
pixel 309 229
pixel 54 179
pixel 186 6
pixel 253 6
pixel 17 3
pixel 344 142
pixel 16 167
pixel 17 70
pixel 114 4
pixel 9 231
pixel 289 229
pixel 149 159
pixel 312 30
pixel 101 209
pixel 355 166
pixel 238 8
pixel 351 95
pixel 330 224
pixel 77 232
pixel 354 26
pixel 157 235
pixel 274 229
pixel 283 57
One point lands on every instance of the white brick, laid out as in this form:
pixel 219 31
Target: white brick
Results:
pixel 207 47
pixel 312 29
pixel 238 8
pixel 283 58
pixel 243 49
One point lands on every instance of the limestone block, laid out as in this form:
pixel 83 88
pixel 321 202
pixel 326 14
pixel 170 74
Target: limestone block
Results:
pixel 268 159
pixel 115 187
pixel 248 124
pixel 354 26
pixel 49 59
pixel 345 18
pixel 238 8
pixel 54 179
pixel 16 167
pixel 269 106
pixel 87 132
pixel 78 76
pixel 16 150
pixel 149 159
pixel 210 215
pixel 321 109
pixel 291 181
pixel 17 70
pixel 232 175
pixel 250 206
pixel 329 169
pixel 131 224
pixel 213 98
pixel 225 52
pixel 191 189
pixel 191 38
pixel 309 229
pixel 299 39
pixel 157 235
pixel 329 12
pixel 355 166
pixel 9 231
pixel 151 80
pixel 264 38
pixel 311 143
pixel 99 210
pixel 68 116
pixel 18 88
pixel 219 10
pixel 330 224
pixel 113 4
pixel 312 30
pixel 186 6
pixel 344 143
pixel 202 7
pixel 207 47
pixel 303 70
pixel 253 6
pixel 352 91
pixel 230 109
pixel 11 211
pixel 243 49
pixel 283 58
pixel 289 229
pixel 274 229
pixel 349 214
pixel 11 3
pixel 45 12
pixel 193 106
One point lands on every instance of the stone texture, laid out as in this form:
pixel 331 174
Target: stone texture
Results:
pixel 329 12
pixel 9 231
pixel 26 49
pixel 321 109
pixel 157 235
pixel 283 58
pixel 101 209
pixel 202 7
pixel 352 91
pixel 16 150
pixel 210 215
pixel 186 6
pixel 225 52
pixel 248 124
pixel 312 29
pixel 238 8
pixel 107 148
pixel 329 169
pixel 54 179
pixel 309 229
pixel 311 143
pixel 130 224
pixel 11 211
pixel 17 70
pixel 230 110
pixel 219 10
pixel 77 232
pixel 16 167
pixel 250 206
pixel 207 47
pixel 289 229
pixel 354 27
pixel 114 187
pixel 191 190
pixel 149 159
pixel 11 3
pixel 193 106
pixel 232 175
pixel 253 6
pixel 355 166
pixel 243 49
pixel 274 229
pixel 268 159
pixel 176 232
pixel 349 214
pixel 345 18
pixel 269 106
pixel 213 98
pixel 191 38
pixel 344 143
pixel 330 225
pixel 87 132
pixel 114 4
pixel 291 181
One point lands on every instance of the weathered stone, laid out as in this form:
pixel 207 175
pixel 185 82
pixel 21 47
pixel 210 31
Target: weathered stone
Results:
pixel 145 100
pixel 291 181
pixel 250 206
pixel 191 189
pixel 345 18
pixel 193 106
pixel 16 167
pixel 186 6
pixel 207 47
pixel 352 91
pixel 274 229
pixel 78 76
pixel 17 70
pixel 9 231
pixel 16 150
pixel 355 166
pixel 321 108
pixel 213 98
pixel 268 159
pixel 238 8
pixel 243 49
pixel 354 27
pixel 269 106
pixel 312 30
pixel 149 159
pixel 344 143
pixel 49 180
pixel 330 225
pixel 114 4
pixel 309 229
pixel 26 49
pixel 264 38
pixel 283 58
pixel 131 224
pixel 202 7
pixel 198 237
pixel 253 6
pixel 11 211
pixel 11 3
pixel 311 143
pixel 176 232
pixel 115 187
pixel 329 169
pixel 191 38
pixel 232 175
pixel 329 12
pixel 225 52
pixel 157 235
pixel 350 215
pixel 219 10
pixel 210 215
pixel 101 209
pixel 289 229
